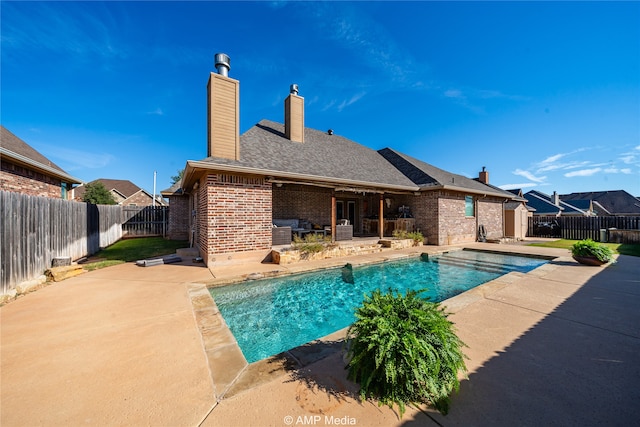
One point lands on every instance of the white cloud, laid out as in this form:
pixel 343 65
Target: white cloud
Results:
pixel 157 112
pixel 74 159
pixel 575 165
pixel 529 175
pixel 358 32
pixel 515 186
pixel 454 93
pixel 329 104
pixel 628 159
pixel 583 172
pixel 614 169
pixel 551 159
pixel 353 100
pixel 82 32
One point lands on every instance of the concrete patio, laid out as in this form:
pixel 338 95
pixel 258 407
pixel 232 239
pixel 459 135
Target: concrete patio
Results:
pixel 124 346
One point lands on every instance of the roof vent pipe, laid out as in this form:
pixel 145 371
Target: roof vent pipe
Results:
pixel 223 64
pixel 293 89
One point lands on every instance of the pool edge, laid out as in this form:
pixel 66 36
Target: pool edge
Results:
pixel 250 375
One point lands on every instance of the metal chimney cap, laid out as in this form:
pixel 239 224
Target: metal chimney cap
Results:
pixel 222 63
pixel 293 89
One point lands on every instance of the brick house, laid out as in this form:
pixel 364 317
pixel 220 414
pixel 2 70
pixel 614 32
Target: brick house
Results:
pixel 227 203
pixel 124 192
pixel 25 170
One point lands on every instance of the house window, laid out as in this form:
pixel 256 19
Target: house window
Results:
pixel 468 206
pixel 133 205
pixel 63 190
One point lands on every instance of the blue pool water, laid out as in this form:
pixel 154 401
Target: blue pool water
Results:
pixel 273 315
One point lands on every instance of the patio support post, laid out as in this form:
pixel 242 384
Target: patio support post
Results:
pixel 333 217
pixel 381 216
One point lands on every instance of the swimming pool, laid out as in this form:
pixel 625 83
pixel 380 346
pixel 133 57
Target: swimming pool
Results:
pixel 273 315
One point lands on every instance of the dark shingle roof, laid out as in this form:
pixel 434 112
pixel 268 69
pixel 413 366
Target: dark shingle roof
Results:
pixel 15 148
pixel 544 206
pixel 541 203
pixel 174 190
pixel 614 202
pixel 426 175
pixel 265 147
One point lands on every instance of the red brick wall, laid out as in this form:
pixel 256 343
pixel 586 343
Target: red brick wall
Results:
pixel 425 210
pixel 440 216
pixel 491 215
pixel 178 227
pixel 302 202
pixel 234 214
pixel 18 179
pixel 454 227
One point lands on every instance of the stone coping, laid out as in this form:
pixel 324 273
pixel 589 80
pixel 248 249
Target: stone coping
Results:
pixel 230 372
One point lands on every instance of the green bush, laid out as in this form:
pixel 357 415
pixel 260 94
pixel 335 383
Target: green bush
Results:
pixel 311 243
pixel 589 248
pixel 403 350
pixel 416 236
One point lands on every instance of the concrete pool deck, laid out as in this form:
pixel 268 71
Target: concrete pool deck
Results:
pixel 123 346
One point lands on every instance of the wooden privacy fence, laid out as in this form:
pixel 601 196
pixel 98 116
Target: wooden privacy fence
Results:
pixel 34 230
pixel 583 227
pixel 145 220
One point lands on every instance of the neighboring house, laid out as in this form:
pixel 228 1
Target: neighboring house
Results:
pixel 552 205
pixel 227 203
pixel 124 192
pixel 24 170
pixel 605 203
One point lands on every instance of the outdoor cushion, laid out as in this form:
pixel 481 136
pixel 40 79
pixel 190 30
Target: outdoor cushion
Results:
pixel 293 223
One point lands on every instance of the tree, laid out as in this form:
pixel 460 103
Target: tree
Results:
pixel 98 194
pixel 178 177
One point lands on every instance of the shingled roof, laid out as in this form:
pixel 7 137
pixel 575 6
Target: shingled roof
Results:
pixel 544 206
pixel 427 176
pixel 322 157
pixel 617 202
pixel 327 157
pixel 16 150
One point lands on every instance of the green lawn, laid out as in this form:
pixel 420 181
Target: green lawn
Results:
pixel 619 248
pixel 128 250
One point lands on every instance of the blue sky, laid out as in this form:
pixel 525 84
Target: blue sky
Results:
pixel 546 95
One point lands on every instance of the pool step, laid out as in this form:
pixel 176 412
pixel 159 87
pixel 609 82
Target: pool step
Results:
pixel 498 264
pixel 472 264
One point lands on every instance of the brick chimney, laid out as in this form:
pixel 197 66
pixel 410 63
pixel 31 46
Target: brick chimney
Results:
pixel 483 177
pixel 294 115
pixel 223 114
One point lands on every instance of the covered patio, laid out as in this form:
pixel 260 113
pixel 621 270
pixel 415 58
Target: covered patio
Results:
pixel 329 208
